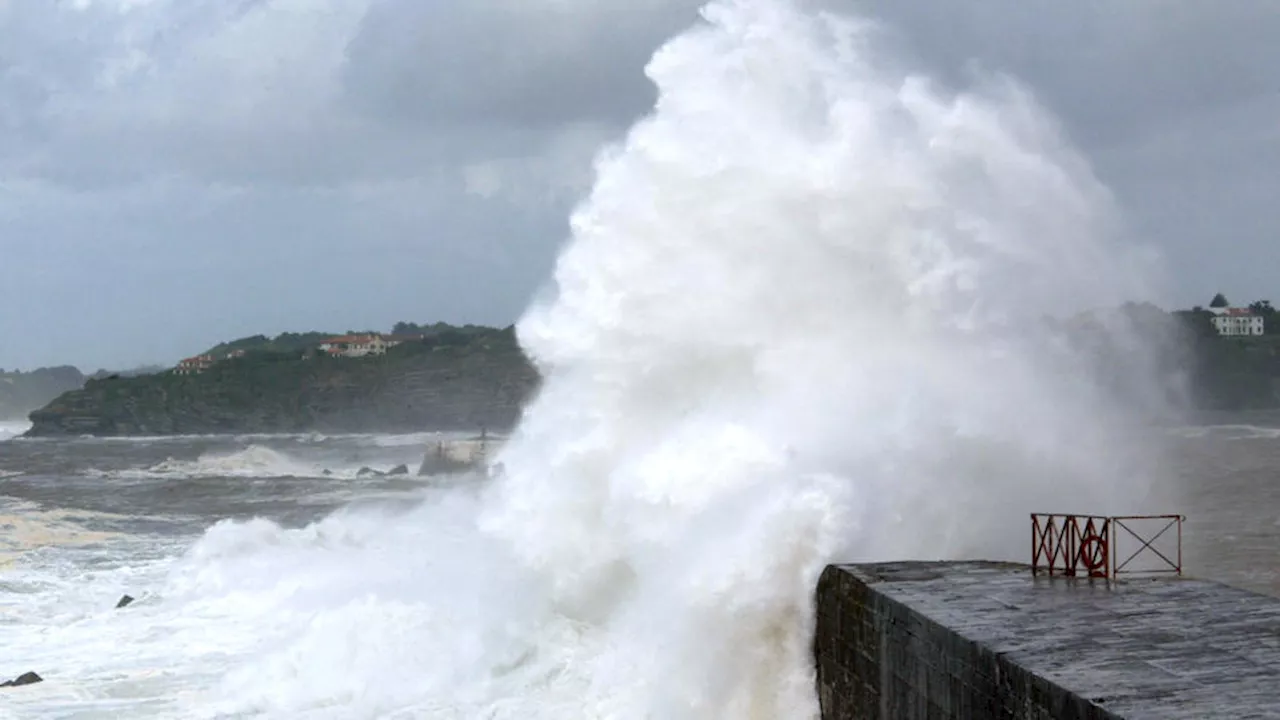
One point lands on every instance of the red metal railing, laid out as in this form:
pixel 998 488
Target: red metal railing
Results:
pixel 1071 545
pixel 1085 545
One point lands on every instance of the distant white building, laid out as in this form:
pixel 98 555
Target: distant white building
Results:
pixel 1237 322
pixel 194 365
pixel 354 345
pixel 363 345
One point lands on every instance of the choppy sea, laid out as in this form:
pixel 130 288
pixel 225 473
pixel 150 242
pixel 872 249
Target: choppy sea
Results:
pixel 249 559
pixel 211 536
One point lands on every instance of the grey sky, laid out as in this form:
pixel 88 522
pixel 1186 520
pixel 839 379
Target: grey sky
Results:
pixel 178 172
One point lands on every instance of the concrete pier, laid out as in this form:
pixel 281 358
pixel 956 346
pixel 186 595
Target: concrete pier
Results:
pixel 444 457
pixel 988 640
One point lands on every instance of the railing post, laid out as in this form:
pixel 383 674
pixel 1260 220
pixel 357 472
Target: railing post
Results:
pixel 1179 544
pixel 1108 539
pixel 1111 541
pixel 1068 545
pixel 1035 547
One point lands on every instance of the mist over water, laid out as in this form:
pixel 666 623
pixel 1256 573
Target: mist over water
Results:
pixel 799 319
pixel 12 428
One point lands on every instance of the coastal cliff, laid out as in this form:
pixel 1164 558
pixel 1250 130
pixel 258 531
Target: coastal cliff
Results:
pixel 465 382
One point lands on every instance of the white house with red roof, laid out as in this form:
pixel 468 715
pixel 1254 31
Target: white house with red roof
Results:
pixel 362 345
pixel 1237 322
pixel 194 365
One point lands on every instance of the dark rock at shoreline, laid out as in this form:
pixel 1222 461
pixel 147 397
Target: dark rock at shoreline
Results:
pixel 124 600
pixel 399 470
pixel 26 678
pixel 367 471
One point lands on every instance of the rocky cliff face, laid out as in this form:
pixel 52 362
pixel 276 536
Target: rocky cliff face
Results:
pixel 421 387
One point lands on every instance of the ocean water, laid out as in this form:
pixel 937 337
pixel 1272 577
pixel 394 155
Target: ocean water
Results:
pixel 799 319
pixel 263 591
pixel 204 532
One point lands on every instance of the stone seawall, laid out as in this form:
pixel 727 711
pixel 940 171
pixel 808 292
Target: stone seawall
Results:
pixel 987 640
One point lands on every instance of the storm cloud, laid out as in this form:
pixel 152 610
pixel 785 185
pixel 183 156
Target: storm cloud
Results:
pixel 178 172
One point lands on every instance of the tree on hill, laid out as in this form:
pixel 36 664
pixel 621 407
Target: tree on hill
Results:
pixel 1263 309
pixel 1219 301
pixel 284 342
pixel 438 328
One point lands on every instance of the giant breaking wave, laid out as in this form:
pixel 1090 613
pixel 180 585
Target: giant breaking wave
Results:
pixel 798 320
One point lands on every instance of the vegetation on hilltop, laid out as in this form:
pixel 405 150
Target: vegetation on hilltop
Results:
pixel 132 372
pixel 1263 309
pixel 444 382
pixel 439 328
pixel 1199 368
pixel 291 342
pixel 1231 373
pixel 283 343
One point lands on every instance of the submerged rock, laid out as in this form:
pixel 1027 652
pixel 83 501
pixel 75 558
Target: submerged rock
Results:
pixel 399 470
pixel 124 600
pixel 26 678
pixel 367 471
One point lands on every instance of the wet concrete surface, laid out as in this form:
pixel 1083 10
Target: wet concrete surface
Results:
pixel 1166 648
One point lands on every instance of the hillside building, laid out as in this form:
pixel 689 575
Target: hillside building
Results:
pixel 194 365
pixel 1237 322
pixel 363 345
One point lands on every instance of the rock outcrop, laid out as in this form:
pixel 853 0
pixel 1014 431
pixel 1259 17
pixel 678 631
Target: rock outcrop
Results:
pixel 26 678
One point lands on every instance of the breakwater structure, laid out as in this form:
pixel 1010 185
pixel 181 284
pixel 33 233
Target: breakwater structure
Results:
pixel 444 457
pixel 1102 624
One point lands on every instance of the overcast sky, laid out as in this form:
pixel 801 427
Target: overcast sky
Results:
pixel 178 172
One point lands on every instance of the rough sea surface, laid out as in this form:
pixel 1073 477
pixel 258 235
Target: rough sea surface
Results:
pixel 212 537
pixel 236 550
pixel 799 319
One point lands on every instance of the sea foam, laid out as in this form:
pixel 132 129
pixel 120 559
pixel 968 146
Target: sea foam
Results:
pixel 799 319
